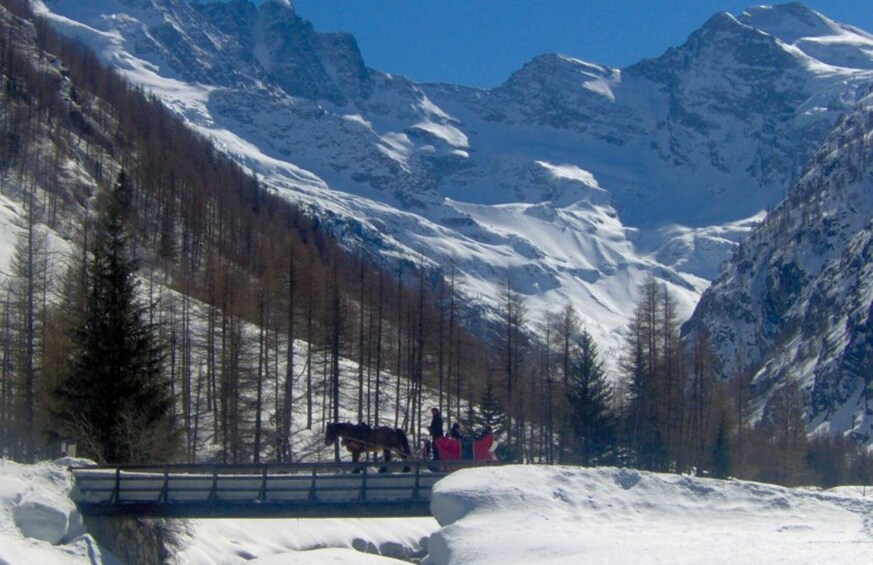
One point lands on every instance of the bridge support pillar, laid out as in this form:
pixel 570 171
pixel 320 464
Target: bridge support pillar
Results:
pixel 135 540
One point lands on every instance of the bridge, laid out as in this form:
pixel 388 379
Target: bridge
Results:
pixel 298 490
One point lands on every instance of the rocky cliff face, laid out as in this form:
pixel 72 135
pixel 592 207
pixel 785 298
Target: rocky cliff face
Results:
pixel 796 302
pixel 283 50
pixel 572 180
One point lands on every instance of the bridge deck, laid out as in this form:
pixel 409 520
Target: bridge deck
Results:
pixel 303 490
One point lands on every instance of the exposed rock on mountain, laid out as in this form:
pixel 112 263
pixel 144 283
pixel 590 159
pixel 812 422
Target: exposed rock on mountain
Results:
pixel 796 302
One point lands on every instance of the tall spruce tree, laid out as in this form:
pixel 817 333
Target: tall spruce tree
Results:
pixel 589 401
pixel 721 449
pixel 115 400
pixel 489 413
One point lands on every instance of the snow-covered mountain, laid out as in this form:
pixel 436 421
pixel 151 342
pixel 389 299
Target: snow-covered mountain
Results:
pixel 796 302
pixel 572 180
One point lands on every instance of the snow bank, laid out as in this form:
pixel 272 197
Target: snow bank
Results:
pixel 568 514
pixel 39 517
pixel 378 540
pixel 38 521
pixel 325 556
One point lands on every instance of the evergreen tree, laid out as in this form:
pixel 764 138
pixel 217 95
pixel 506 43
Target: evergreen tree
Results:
pixel 490 413
pixel 721 449
pixel 589 401
pixel 115 400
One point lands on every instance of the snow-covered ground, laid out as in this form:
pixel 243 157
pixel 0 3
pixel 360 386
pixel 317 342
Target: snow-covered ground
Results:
pixel 38 521
pixel 512 514
pixel 230 541
pixel 574 515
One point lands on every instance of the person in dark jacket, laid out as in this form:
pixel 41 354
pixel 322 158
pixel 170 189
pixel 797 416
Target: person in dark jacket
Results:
pixel 436 424
pixel 436 429
pixel 455 432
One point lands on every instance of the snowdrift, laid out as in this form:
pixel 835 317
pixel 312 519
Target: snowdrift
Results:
pixel 38 521
pixel 380 540
pixel 520 514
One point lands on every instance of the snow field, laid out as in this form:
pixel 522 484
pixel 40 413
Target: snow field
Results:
pixel 605 515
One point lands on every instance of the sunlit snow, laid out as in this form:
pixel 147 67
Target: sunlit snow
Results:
pixel 576 515
pixel 513 514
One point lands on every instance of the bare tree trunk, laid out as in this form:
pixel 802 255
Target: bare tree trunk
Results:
pixel 335 324
pixel 399 343
pixel 310 338
pixel 29 333
pixel 186 365
pixel 192 456
pixel 361 311
pixel 287 400
pixel 6 385
pixel 262 367
pixel 378 399
pixel 452 336
pixel 419 361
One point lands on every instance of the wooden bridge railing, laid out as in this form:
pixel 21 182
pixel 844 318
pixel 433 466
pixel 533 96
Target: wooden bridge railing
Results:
pixel 289 490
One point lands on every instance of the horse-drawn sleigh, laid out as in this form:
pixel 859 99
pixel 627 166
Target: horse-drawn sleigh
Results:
pixel 360 439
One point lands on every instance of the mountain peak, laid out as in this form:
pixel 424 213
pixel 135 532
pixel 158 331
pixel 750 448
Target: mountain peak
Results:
pixel 815 35
pixel 304 62
pixel 721 44
pixel 789 22
pixel 722 21
pixel 277 6
pixel 556 68
pixel 550 62
pixel 545 79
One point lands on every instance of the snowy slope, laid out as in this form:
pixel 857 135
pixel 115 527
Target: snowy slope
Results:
pixel 796 302
pixel 577 515
pixel 572 180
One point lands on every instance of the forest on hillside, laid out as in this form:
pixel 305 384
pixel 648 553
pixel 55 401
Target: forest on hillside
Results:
pixel 256 324
pixel 207 237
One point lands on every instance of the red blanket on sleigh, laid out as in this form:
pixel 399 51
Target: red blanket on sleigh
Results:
pixel 451 449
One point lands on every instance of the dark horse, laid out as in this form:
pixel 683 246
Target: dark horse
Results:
pixel 361 438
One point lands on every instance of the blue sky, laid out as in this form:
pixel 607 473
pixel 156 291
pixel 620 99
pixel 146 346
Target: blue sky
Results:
pixel 481 42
